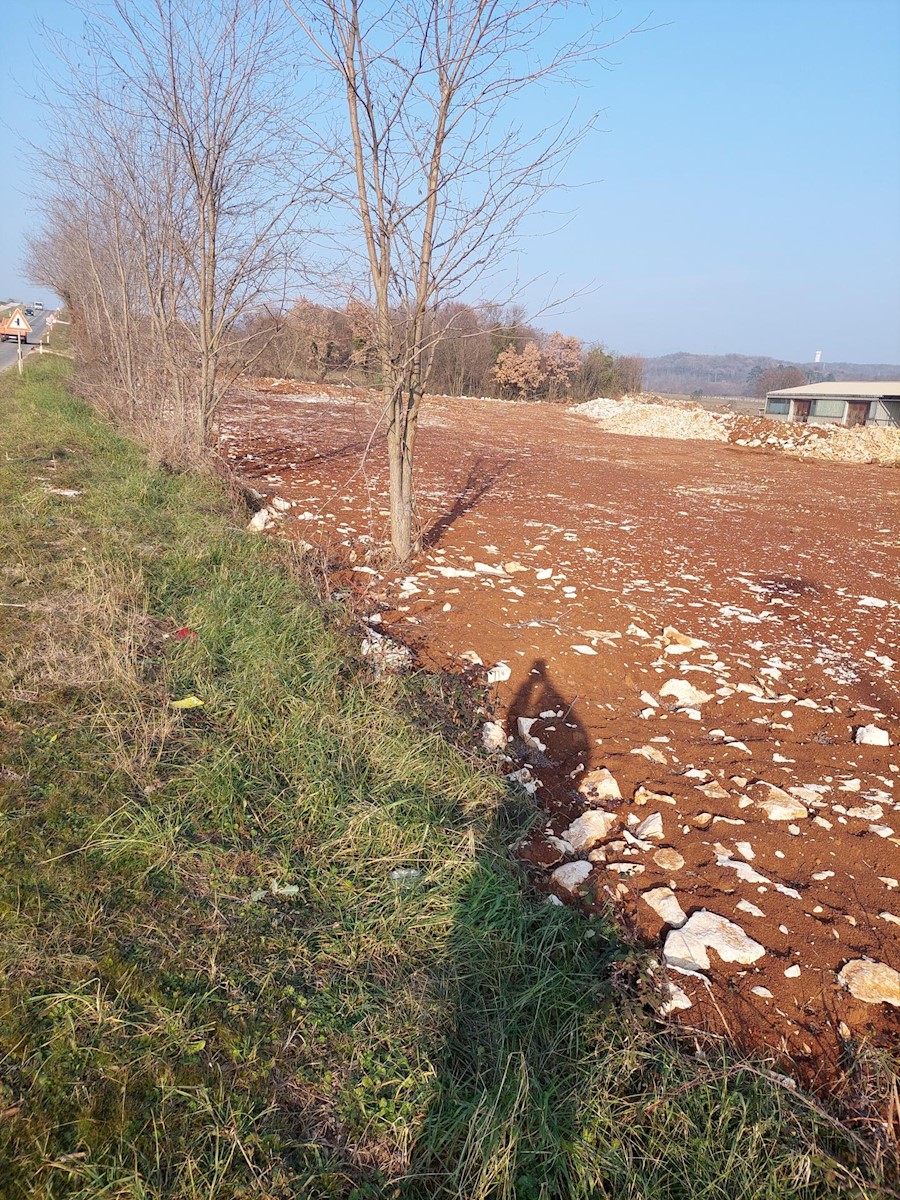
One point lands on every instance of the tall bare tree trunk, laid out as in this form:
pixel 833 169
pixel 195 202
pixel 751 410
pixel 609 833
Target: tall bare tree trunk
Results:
pixel 402 406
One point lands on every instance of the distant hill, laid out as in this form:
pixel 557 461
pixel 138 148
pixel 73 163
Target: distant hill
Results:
pixel 728 374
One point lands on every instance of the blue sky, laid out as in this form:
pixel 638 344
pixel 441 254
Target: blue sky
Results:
pixel 748 181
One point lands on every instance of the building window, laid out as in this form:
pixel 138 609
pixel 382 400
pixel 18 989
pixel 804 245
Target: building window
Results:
pixel 833 409
pixel 778 407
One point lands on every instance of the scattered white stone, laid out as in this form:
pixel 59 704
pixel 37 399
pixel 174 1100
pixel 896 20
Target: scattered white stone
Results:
pixel 872 982
pixel 761 991
pixel 684 692
pixel 713 790
pixel 643 795
pixel 745 850
pixel 571 875
pixel 779 806
pixel 650 753
pixel 792 972
pixel 493 736
pixel 676 1000
pixel 866 812
pixel 455 573
pixel 871 735
pixel 886 916
pixel 665 904
pixel 686 948
pixel 599 785
pixel 751 909
pixel 590 828
pixel 742 870
pixel 734 744
pixel 584 649
pixel 385 655
pixel 668 860
pixel 524 778
pixel 872 602
pixel 260 520
pixel 652 827
pixel 882 831
pixel 524 725
pixel 671 635
pixel 499 673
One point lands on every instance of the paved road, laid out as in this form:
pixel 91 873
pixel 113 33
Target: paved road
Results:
pixel 8 349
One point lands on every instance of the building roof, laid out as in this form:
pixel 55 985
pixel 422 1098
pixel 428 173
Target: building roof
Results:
pixel 843 389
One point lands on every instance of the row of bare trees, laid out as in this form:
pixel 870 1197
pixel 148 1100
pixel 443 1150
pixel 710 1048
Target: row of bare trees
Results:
pixel 169 211
pixel 204 159
pixel 486 351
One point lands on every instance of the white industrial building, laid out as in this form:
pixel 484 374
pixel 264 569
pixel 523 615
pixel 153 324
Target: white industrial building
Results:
pixel 841 403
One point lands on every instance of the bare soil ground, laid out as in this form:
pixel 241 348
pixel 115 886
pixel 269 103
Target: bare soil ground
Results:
pixel 598 568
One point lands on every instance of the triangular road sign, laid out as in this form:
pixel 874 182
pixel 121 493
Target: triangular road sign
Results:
pixel 17 322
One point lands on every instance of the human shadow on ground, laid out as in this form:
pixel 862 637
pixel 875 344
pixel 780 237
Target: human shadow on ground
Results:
pixel 480 478
pixel 526 992
pixel 526 989
pixel 565 737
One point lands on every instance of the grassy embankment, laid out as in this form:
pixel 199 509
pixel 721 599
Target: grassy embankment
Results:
pixel 164 1035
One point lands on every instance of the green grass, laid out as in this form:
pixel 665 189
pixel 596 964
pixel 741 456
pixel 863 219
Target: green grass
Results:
pixel 165 1036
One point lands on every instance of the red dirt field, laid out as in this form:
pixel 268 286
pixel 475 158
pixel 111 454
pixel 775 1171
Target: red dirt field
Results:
pixel 599 568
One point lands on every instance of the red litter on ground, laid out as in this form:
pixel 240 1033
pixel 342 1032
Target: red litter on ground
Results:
pixel 187 634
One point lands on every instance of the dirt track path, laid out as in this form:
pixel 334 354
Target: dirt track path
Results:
pixel 565 553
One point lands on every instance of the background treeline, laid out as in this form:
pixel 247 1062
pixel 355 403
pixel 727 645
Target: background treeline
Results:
pixel 488 350
pixel 748 375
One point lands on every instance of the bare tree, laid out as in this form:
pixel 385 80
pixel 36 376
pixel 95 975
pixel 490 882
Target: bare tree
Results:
pixel 434 167
pixel 170 140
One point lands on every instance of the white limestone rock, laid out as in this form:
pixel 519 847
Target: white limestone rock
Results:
pixel 668 860
pixel 599 785
pixel 592 827
pixel 675 999
pixel 870 981
pixel 524 725
pixel 665 904
pixel 493 736
pixel 871 735
pixel 652 827
pixel 686 949
pixel 571 875
pixel 684 693
pixel 260 520
pixel 779 806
